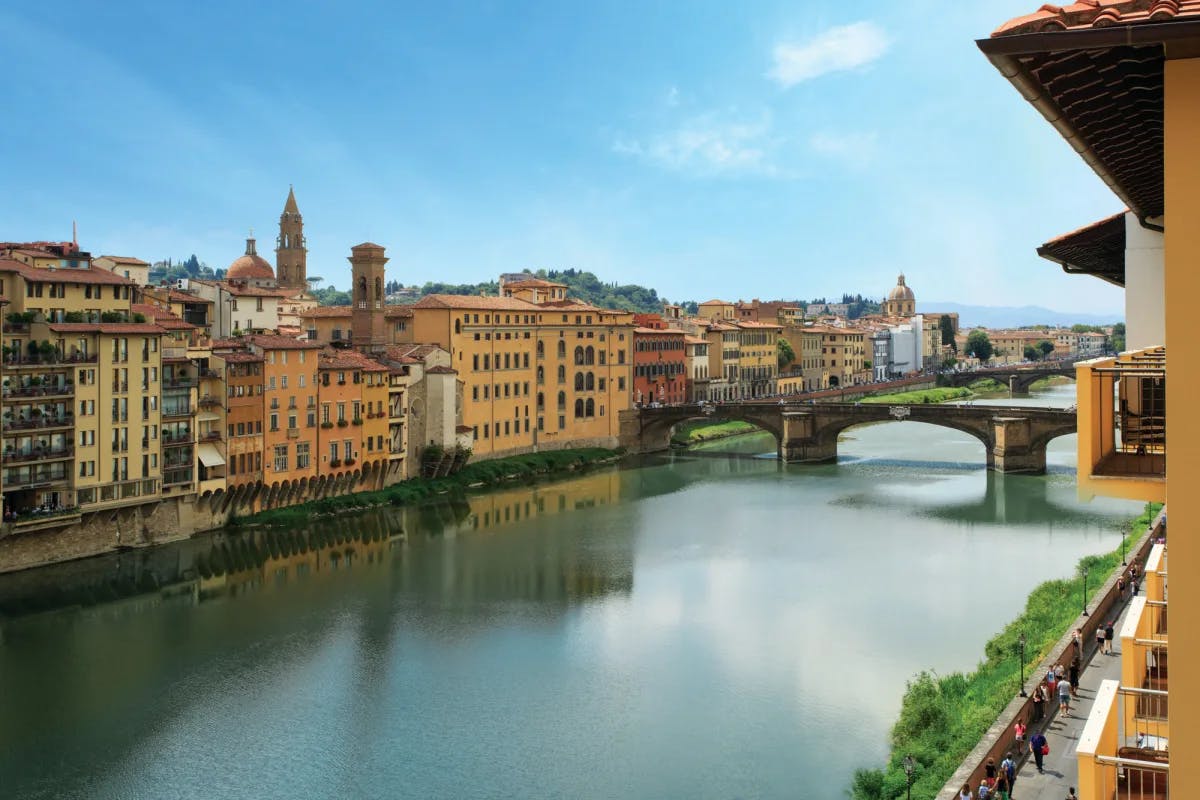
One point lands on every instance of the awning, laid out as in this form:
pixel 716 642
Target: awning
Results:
pixel 209 456
pixel 1098 249
pixel 207 416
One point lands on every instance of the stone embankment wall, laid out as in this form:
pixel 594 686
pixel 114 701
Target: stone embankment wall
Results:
pixel 999 739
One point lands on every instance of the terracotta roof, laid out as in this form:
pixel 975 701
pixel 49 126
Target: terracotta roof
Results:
pixel 417 352
pixel 106 327
pixel 161 317
pixel 42 275
pixel 335 358
pixel 176 296
pixel 749 323
pixel 694 340
pixel 327 311
pixel 258 291
pixel 1099 14
pixel 238 357
pixel 715 303
pixel 234 343
pixel 473 302
pixel 441 371
pixel 271 342
pixel 658 332
pixel 250 266
pixel 1097 249
pixel 130 260
pixel 397 312
pixel 1094 69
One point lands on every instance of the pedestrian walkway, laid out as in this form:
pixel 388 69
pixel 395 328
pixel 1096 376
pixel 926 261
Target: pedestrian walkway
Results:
pixel 1062 766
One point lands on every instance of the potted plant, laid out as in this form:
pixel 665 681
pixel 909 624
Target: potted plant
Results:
pixel 341 423
pixel 357 421
pixel 327 425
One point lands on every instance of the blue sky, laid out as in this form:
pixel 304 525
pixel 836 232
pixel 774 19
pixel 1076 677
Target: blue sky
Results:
pixel 707 149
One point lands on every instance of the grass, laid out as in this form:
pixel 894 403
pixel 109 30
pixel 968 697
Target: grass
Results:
pixel 418 490
pixel 943 717
pixel 696 432
pixel 939 395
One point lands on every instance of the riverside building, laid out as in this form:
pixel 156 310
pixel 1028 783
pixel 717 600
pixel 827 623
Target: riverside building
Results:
pixel 1120 79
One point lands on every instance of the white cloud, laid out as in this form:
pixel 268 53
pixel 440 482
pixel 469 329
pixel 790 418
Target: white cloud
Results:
pixel 673 97
pixel 856 150
pixel 842 48
pixel 708 144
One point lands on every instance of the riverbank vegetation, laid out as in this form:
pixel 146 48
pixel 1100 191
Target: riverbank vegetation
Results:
pixel 690 433
pixel 412 492
pixel 939 395
pixel 943 717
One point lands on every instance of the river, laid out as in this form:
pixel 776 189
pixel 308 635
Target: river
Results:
pixel 702 626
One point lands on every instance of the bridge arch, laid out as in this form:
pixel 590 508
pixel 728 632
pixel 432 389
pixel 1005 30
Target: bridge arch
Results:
pixel 656 427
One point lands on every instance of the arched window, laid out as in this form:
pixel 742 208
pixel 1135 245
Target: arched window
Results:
pixel 378 289
pixel 541 375
pixel 562 349
pixel 362 290
pixel 578 355
pixel 589 356
pixel 591 408
pixel 541 401
pixel 562 401
pixel 562 374
pixel 579 381
pixel 541 349
pixel 458 326
pixel 591 382
pixel 578 409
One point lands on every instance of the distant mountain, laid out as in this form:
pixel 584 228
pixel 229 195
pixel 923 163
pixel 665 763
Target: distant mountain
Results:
pixel 1015 316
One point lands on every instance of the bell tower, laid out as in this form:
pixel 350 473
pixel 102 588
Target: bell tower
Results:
pixel 368 327
pixel 291 254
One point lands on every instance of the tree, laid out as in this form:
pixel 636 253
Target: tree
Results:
pixel 979 345
pixel 784 352
pixel 1032 353
pixel 947 329
pixel 1046 346
pixel 1118 337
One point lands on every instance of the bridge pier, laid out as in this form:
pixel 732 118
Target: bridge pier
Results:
pixel 1018 386
pixel 800 442
pixel 1015 449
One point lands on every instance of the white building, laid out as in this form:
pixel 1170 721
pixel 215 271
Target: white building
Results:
pixel 902 346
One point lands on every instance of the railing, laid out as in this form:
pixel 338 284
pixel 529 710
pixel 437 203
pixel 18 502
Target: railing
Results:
pixel 209 373
pixel 40 423
pixel 37 454
pixel 211 436
pixel 174 353
pixel 179 383
pixel 174 477
pixel 1131 391
pixel 28 361
pixel 20 477
pixel 40 391
pixel 177 411
pixel 209 400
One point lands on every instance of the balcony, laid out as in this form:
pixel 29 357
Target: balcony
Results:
pixel 176 411
pixel 41 390
pixel 209 401
pixel 29 362
pixel 293 433
pixel 210 436
pixel 179 383
pixel 22 522
pixel 175 477
pixel 1122 407
pixel 37 454
pixel 42 422
pixel 30 477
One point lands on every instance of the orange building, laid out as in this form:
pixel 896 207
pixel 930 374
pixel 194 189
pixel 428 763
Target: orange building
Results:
pixel 290 397
pixel 353 398
pixel 659 366
pixel 244 415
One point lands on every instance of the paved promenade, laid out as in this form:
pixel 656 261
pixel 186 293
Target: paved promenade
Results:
pixel 1061 766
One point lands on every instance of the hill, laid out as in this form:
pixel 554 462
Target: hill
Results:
pixel 970 316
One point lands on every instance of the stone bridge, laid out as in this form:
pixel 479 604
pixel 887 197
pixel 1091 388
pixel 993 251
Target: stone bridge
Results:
pixel 1014 437
pixel 1018 379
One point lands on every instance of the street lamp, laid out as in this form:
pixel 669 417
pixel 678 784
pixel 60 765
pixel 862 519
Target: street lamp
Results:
pixel 1085 590
pixel 1124 563
pixel 909 766
pixel 1021 642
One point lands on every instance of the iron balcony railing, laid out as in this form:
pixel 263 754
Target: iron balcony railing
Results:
pixel 1133 414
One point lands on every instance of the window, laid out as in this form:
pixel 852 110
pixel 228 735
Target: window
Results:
pixel 274 422
pixel 281 457
pixel 348 451
pixel 302 458
pixel 333 451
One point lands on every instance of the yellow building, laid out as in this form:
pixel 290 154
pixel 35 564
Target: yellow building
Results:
pixel 1121 81
pixel 535 375
pixel 758 358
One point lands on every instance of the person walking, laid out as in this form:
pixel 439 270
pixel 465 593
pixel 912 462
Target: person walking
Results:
pixel 1100 639
pixel 1019 734
pixel 1039 747
pixel 1051 679
pixel 1064 698
pixel 1121 586
pixel 965 793
pixel 1000 790
pixel 1073 675
pixel 1109 634
pixel 989 771
pixel 1071 794
pixel 1008 768
pixel 1039 703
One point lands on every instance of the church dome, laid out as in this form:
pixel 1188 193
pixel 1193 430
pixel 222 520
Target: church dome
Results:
pixel 900 291
pixel 250 267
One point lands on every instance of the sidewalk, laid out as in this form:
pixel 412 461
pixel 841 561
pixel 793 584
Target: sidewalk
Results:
pixel 1062 766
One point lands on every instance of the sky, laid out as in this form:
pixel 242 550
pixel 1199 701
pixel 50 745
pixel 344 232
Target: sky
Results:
pixel 703 148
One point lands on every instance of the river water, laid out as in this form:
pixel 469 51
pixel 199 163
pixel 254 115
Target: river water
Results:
pixel 703 626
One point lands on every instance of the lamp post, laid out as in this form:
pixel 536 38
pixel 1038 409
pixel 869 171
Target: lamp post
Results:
pixel 1085 590
pixel 909 766
pixel 1021 641
pixel 1124 563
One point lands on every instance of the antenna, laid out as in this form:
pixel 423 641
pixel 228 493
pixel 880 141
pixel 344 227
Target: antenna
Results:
pixel 74 234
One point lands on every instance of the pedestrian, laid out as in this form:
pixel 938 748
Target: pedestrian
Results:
pixel 1100 646
pixel 1121 587
pixel 1060 673
pixel 1040 748
pixel 984 791
pixel 1001 790
pixel 989 771
pixel 1077 639
pixel 1073 674
pixel 1064 698
pixel 965 793
pixel 1039 703
pixel 1071 794
pixel 1008 768
pixel 1019 733
pixel 1109 634
pixel 1134 578
pixel 1051 679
